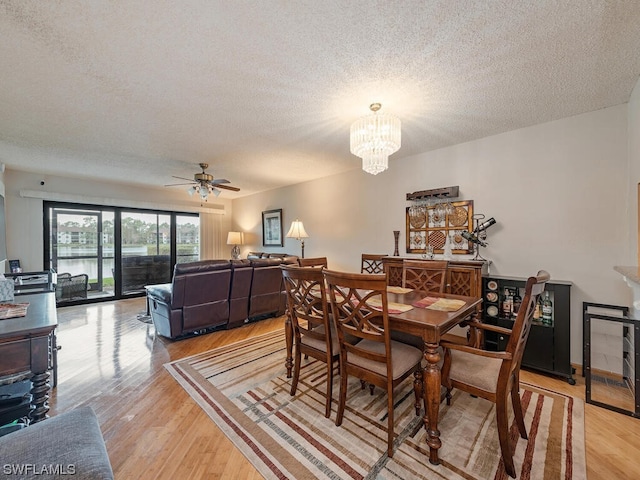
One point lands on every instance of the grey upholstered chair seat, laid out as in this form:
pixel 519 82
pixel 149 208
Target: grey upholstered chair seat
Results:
pixel 71 441
pixel 481 372
pixel 404 357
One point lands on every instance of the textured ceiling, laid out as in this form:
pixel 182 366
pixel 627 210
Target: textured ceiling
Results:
pixel 265 91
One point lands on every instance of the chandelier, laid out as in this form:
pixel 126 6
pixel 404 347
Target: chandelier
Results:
pixel 374 138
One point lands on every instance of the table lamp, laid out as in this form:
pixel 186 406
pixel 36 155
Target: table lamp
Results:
pixel 235 239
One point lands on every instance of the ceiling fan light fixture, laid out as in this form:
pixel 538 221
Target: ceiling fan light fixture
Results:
pixel 374 137
pixel 204 184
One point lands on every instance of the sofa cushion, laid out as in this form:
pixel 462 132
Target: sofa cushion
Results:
pixel 265 262
pixel 201 266
pixel 71 442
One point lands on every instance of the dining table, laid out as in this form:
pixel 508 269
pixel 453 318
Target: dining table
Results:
pixel 418 313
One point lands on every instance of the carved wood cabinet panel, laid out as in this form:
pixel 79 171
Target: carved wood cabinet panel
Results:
pixel 463 277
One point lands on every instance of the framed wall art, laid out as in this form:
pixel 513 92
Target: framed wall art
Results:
pixel 272 234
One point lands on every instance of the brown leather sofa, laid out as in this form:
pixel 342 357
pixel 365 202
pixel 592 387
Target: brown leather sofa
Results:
pixel 214 294
pixel 240 292
pixel 267 287
pixel 197 298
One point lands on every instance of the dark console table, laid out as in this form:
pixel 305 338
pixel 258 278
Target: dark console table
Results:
pixel 25 344
pixel 548 346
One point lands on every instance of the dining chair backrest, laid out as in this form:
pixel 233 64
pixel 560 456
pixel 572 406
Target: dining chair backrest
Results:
pixel 307 301
pixel 425 275
pixel 313 262
pixel 359 309
pixel 312 329
pixel 372 263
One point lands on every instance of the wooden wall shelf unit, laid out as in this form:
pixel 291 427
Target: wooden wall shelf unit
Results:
pixel 548 347
pixel 464 277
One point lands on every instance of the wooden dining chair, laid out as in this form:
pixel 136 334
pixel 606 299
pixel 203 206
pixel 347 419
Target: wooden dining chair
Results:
pixel 313 262
pixel 307 302
pixel 372 263
pixel 359 309
pixel 425 275
pixel 496 375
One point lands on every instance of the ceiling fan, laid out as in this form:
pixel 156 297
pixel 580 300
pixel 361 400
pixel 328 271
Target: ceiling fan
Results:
pixel 204 184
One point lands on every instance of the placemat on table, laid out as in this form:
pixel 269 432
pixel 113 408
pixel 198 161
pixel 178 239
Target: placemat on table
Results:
pixel 392 307
pixel 399 290
pixel 442 304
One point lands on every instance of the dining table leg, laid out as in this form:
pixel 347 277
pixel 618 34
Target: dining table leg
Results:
pixel 431 393
pixel 288 332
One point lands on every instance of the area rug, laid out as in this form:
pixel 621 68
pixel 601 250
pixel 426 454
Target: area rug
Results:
pixel 244 389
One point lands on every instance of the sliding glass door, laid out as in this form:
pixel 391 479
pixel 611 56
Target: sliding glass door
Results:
pixel 82 252
pixel 111 252
pixel 146 250
pixel 187 238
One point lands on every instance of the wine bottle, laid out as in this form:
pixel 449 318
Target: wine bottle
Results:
pixel 547 309
pixel 484 225
pixel 537 312
pixel 517 302
pixel 473 238
pixel 507 304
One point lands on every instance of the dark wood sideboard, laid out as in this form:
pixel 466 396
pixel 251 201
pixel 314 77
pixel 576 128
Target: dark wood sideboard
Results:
pixel 464 277
pixel 25 348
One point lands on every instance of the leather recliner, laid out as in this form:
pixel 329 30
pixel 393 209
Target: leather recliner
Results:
pixel 241 276
pixel 197 299
pixel 267 287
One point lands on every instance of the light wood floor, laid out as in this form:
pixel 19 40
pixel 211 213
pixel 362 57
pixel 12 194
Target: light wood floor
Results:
pixel 114 363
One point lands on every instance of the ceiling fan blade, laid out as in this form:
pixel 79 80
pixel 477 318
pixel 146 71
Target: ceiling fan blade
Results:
pixel 182 178
pixel 218 181
pixel 228 187
pixel 177 184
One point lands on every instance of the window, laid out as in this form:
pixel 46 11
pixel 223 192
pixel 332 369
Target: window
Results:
pixel 119 250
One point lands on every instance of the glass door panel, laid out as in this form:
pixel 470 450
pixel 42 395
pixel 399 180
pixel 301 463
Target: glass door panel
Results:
pixel 187 238
pixel 146 250
pixel 76 253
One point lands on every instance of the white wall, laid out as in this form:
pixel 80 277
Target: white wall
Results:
pixel 25 215
pixel 558 191
pixel 634 174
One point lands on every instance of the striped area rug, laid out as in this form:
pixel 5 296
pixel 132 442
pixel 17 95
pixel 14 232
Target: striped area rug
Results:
pixel 244 389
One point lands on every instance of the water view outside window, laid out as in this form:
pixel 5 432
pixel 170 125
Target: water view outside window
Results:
pixel 81 246
pixel 146 250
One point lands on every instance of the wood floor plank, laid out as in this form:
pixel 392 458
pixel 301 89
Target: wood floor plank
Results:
pixel 154 430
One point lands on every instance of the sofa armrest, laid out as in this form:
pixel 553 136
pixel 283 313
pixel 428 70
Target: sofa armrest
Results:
pixel 71 442
pixel 160 292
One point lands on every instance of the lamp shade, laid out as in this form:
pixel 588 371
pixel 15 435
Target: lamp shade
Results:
pixel 234 238
pixel 297 230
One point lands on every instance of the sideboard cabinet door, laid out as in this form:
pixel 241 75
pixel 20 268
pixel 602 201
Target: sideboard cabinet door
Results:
pixel 463 280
